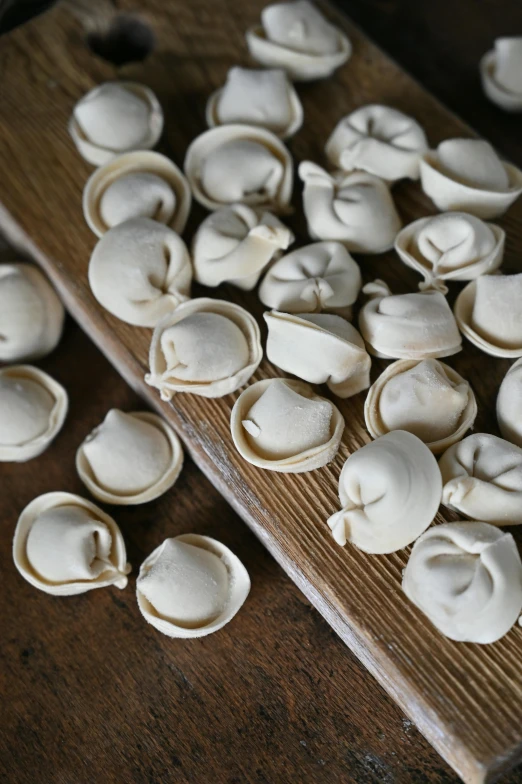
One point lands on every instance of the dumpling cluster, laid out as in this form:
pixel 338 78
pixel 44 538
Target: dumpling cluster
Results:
pixel 380 140
pixel 355 208
pixel 390 492
pixel 296 36
pixel 509 404
pixel 139 184
pixel 262 98
pixel 114 118
pixel 235 244
pixel 467 579
pixel 501 72
pixel 489 313
pixel 424 397
pixel 452 246
pixel 282 425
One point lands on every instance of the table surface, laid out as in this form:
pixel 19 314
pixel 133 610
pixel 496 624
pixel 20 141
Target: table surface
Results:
pixel 275 697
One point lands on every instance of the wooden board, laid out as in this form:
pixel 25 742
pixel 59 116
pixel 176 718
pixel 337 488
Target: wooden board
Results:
pixel 466 699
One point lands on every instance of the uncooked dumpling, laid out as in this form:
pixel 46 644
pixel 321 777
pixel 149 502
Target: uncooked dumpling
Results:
pixel 113 118
pixel 318 277
pixel 139 271
pixel 33 407
pixel 467 579
pixel 380 140
pixel 208 347
pixel 501 71
pixel 31 315
pixel 390 492
pixel 452 246
pixel 418 325
pixel 130 458
pixel 489 314
pixel 240 163
pixel 320 348
pixel 468 175
pixel 296 36
pixel 509 404
pixel 235 244
pixel 141 184
pixel 191 586
pixel 64 545
pixel 426 398
pixel 282 425
pixel 356 209
pixel 482 477
pixel 262 98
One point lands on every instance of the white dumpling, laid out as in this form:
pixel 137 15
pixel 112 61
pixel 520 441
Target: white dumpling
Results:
pixel 380 140
pixel 467 579
pixel 139 271
pixel 482 477
pixel 468 175
pixel 240 163
pixel 191 586
pixel 317 277
pixel 31 314
pixel 257 97
pixel 501 71
pixel 416 325
pixel 137 195
pixel 206 347
pixel 115 117
pixel 65 545
pixel 489 314
pixel 33 407
pixel 235 244
pixel 452 246
pixel 130 458
pixel 320 348
pixel 390 492
pixel 296 36
pixel 426 398
pixel 282 425
pixel 356 209
pixel 509 404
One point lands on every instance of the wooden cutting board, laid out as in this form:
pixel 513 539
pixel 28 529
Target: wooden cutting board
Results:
pixel 466 699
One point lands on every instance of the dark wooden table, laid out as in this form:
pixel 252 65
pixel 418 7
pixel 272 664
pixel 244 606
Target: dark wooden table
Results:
pixel 273 698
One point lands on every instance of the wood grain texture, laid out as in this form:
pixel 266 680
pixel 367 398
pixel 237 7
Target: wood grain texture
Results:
pixel 466 699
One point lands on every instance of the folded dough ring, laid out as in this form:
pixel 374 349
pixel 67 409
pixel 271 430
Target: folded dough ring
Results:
pixel 489 314
pixel 509 404
pixel 501 73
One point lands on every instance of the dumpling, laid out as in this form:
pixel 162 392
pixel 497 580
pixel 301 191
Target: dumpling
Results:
pixel 208 347
pixel 240 163
pixel 467 579
pixel 452 246
pixel 31 314
pixel 468 175
pixel 319 348
pixel 424 397
pixel 113 118
pixel 482 477
pixel 356 209
pixel 501 72
pixel 139 271
pixel 489 313
pixel 33 407
pixel 418 325
pixel 296 36
pixel 130 458
pixel 64 545
pixel 318 277
pixel 379 140
pixel 141 184
pixel 390 492
pixel 235 244
pixel 257 97
pixel 191 586
pixel 509 404
pixel 282 425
